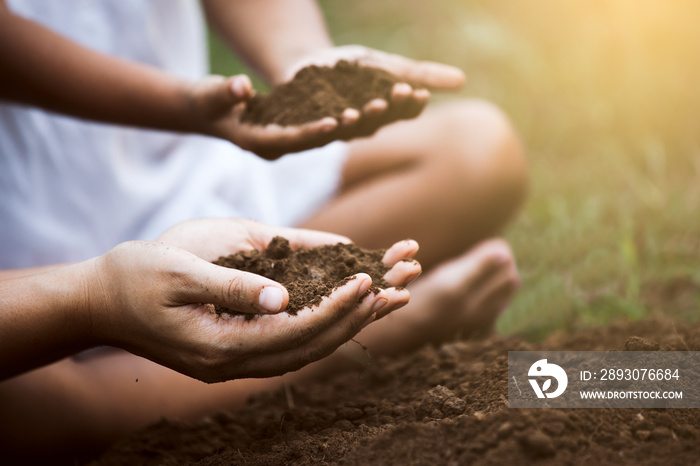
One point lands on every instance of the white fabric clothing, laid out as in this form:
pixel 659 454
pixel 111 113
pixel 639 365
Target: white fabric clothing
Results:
pixel 72 189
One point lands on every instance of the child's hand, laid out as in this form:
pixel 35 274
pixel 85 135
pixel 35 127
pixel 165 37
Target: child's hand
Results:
pixel 217 104
pixel 406 101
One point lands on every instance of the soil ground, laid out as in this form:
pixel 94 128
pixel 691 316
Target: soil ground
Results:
pixel 438 405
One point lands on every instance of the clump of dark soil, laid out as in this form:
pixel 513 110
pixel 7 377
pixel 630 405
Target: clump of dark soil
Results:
pixel 438 405
pixel 309 274
pixel 320 91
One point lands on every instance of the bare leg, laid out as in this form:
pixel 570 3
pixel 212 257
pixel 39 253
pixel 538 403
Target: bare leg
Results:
pixel 448 179
pixel 75 406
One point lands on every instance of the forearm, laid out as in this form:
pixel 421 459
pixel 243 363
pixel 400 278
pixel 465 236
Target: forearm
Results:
pixel 25 272
pixel 270 35
pixel 43 317
pixel 44 69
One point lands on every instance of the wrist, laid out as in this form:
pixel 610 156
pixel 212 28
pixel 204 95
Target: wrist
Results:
pixel 94 317
pixel 84 302
pixel 186 118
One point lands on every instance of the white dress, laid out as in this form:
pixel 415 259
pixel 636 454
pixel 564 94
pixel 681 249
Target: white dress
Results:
pixel 72 189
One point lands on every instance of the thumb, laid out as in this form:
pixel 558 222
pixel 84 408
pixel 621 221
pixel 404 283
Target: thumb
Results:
pixel 237 290
pixel 429 74
pixel 238 88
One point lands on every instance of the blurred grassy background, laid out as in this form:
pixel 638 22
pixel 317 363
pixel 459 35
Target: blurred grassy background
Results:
pixel 605 96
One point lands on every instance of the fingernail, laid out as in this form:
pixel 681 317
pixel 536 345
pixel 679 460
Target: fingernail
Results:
pixel 271 298
pixel 238 88
pixel 364 287
pixel 379 305
pixel 403 89
pixel 329 124
pixel 369 321
pixel 350 115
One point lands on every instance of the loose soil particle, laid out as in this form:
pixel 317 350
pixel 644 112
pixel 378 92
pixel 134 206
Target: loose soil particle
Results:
pixel 438 405
pixel 320 91
pixel 309 274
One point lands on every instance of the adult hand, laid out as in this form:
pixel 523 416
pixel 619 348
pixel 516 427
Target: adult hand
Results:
pixel 408 98
pixel 211 238
pixel 147 298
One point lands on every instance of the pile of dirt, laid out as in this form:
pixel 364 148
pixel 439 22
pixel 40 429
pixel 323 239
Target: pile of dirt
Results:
pixel 309 274
pixel 320 91
pixel 438 405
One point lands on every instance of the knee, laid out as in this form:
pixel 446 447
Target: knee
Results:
pixel 486 149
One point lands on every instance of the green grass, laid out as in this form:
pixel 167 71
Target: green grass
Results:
pixel 605 95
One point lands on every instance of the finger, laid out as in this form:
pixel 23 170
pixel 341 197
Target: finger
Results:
pixel 272 141
pixel 323 344
pixel 240 88
pixel 303 135
pixel 234 289
pixel 375 108
pixel 403 273
pixel 218 95
pixel 424 73
pixel 406 103
pixel 401 93
pixel 401 102
pixel 429 74
pixel 406 249
pixel 397 298
pixel 379 302
pixel 300 237
pixel 279 332
pixel 207 238
pixel 373 117
pixel 417 103
pixel 349 121
pixel 349 117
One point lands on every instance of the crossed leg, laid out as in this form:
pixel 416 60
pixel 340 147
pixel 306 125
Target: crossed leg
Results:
pixel 451 179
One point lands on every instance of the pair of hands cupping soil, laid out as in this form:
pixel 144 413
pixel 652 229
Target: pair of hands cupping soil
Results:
pixel 336 94
pixel 189 337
